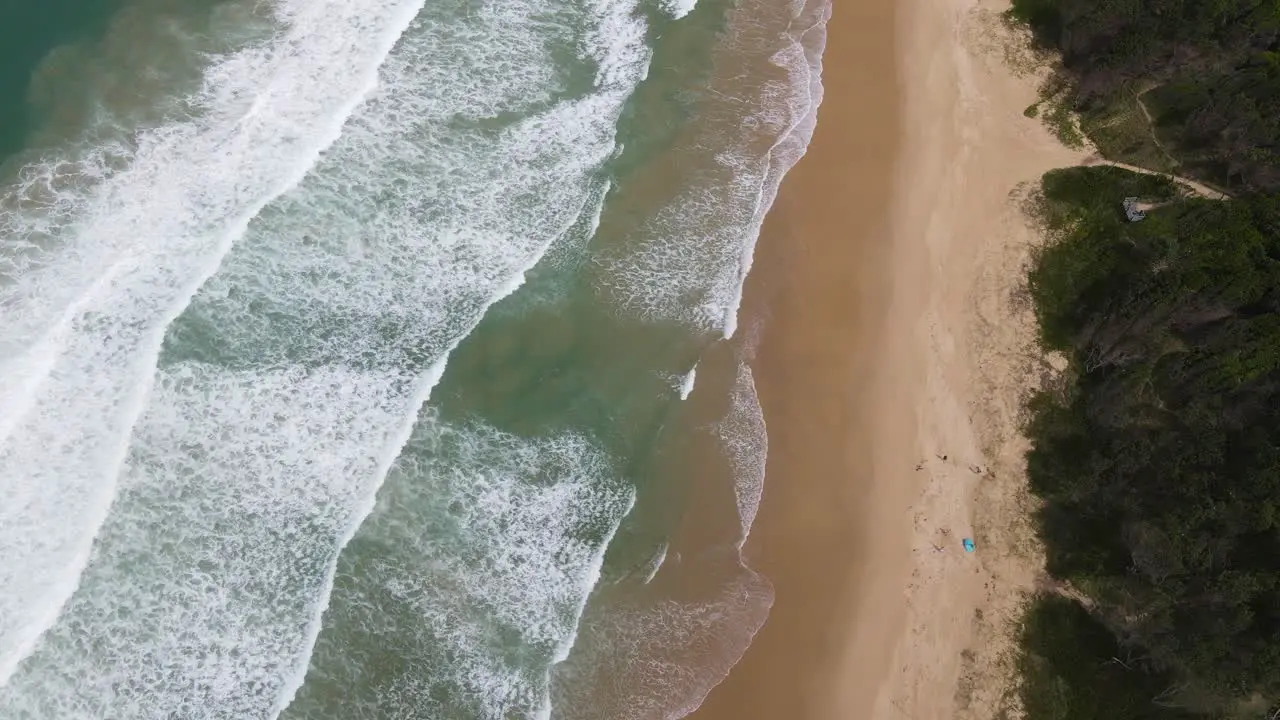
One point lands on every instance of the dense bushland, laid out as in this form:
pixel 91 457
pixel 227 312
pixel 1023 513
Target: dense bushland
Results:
pixel 1158 456
pixel 1207 72
pixel 1073 668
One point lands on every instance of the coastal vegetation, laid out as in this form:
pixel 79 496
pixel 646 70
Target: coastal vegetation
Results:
pixel 1156 455
pixel 1191 85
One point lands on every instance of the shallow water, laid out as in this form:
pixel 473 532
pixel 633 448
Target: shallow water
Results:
pixel 347 356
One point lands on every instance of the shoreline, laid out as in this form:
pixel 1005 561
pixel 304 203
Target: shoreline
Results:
pixel 818 295
pixel 894 336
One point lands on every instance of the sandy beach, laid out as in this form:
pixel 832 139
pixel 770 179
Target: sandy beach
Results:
pixel 896 350
pixel 971 159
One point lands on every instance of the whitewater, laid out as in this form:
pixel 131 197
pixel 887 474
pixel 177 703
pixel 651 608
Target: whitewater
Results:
pixel 249 454
pixel 226 489
pixel 131 253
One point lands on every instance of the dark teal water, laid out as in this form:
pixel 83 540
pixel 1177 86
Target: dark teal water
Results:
pixel 29 31
pixel 347 354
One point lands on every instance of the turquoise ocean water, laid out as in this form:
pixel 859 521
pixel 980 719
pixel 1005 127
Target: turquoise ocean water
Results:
pixel 352 352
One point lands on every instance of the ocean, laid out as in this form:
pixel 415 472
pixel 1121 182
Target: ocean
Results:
pixel 381 358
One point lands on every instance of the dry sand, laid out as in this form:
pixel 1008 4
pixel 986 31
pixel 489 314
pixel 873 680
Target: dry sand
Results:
pixel 971 160
pixel 894 334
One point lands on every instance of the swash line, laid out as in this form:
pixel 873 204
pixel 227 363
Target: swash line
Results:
pixel 813 72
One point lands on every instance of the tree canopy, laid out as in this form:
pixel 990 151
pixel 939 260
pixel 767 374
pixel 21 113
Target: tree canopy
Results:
pixel 1207 71
pixel 1158 459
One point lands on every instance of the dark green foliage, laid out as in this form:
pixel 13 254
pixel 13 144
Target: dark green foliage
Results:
pixel 1073 669
pixel 1225 125
pixel 1213 64
pixel 1085 208
pixel 1146 36
pixel 1159 462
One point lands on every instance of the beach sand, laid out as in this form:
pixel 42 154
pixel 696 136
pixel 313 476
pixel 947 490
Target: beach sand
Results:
pixel 971 161
pixel 895 352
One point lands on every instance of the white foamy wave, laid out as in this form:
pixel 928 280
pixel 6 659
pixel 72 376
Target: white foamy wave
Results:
pixel 688 263
pixel 803 61
pixel 93 276
pixel 679 8
pixel 675 637
pixel 567 255
pixel 474 566
pixel 641 657
pixel 655 563
pixel 746 441
pixel 682 384
pixel 292 379
pixel 695 253
pixel 686 382
pixel 196 523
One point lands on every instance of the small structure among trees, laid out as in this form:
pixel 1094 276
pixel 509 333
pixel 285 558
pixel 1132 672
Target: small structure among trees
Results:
pixel 1156 460
pixel 1132 211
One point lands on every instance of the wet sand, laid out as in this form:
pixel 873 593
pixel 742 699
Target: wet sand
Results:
pixel 820 294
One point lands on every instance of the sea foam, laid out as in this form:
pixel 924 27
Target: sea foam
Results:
pixel 690 258
pixel 466 583
pixel 746 441
pixel 93 278
pixel 687 263
pixel 289 383
pixel 641 657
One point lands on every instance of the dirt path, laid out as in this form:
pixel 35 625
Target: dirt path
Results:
pixel 1151 126
pixel 1198 188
